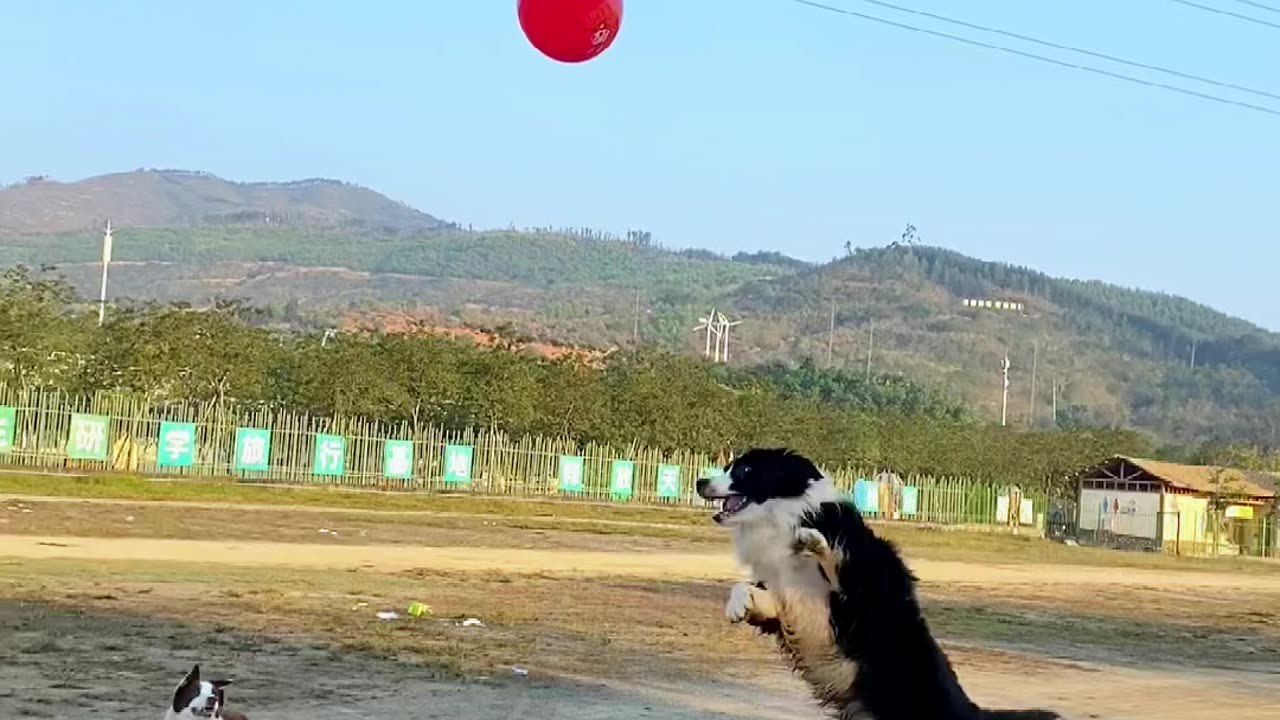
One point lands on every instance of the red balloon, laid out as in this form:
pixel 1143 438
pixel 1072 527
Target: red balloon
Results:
pixel 571 31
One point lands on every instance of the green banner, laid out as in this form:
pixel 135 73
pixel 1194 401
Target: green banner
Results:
pixel 669 482
pixel 457 464
pixel 330 459
pixel 177 445
pixel 910 499
pixel 253 450
pixel 89 439
pixel 8 428
pixel 622 477
pixel 397 460
pixel 571 476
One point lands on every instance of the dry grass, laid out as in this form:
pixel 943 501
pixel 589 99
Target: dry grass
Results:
pixel 345 527
pixel 290 514
pixel 116 487
pixel 1000 549
pixel 596 627
pixel 618 627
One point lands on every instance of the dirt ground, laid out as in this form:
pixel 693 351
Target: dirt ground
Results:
pixel 58 663
pixel 102 612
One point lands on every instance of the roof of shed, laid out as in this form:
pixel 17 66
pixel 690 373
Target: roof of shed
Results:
pixel 1206 478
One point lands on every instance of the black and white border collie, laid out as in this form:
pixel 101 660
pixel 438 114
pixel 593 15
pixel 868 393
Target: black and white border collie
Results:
pixel 197 699
pixel 840 600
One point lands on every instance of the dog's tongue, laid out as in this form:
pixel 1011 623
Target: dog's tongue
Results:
pixel 731 505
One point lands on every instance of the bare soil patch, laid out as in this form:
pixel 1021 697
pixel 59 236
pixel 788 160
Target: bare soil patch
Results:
pixel 608 624
pixel 57 662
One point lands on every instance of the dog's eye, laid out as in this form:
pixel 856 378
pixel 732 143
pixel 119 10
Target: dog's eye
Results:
pixel 746 469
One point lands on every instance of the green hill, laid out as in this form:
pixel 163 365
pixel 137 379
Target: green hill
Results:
pixel 537 259
pixel 1118 356
pixel 1100 355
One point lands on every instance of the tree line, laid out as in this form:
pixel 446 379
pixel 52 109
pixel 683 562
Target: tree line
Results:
pixel 225 354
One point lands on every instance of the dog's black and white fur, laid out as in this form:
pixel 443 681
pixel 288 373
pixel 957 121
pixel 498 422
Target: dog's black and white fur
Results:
pixel 839 599
pixel 197 699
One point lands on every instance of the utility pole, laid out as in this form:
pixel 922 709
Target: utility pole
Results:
pixel 1035 357
pixel 1004 402
pixel 871 343
pixel 107 242
pixel 831 332
pixel 1193 354
pixel 1055 402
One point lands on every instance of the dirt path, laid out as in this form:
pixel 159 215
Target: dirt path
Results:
pixel 670 566
pixel 1097 691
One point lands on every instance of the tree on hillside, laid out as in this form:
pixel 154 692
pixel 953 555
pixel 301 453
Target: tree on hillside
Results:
pixel 177 353
pixel 41 330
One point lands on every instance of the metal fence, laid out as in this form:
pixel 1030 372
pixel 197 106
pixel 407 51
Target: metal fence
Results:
pixel 114 432
pixel 1207 533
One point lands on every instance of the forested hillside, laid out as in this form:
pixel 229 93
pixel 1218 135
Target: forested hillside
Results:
pixel 537 259
pixel 1110 355
pixel 1083 354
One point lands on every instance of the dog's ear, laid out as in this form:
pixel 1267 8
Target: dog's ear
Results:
pixel 219 684
pixel 188 690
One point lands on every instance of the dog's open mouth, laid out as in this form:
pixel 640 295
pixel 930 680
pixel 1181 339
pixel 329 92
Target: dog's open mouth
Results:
pixel 732 505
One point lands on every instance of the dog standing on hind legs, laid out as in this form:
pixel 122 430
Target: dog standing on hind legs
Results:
pixel 839 600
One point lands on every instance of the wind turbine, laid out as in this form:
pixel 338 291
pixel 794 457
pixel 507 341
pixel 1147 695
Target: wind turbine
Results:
pixel 724 324
pixel 711 327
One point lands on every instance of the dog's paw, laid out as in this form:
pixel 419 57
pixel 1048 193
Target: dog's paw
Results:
pixel 809 543
pixel 808 540
pixel 740 603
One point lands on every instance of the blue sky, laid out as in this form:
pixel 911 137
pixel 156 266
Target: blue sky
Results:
pixel 716 123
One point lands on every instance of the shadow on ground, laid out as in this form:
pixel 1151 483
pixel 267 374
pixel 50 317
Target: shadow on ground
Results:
pixel 59 663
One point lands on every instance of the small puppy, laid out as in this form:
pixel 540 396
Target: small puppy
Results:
pixel 199 699
pixel 840 600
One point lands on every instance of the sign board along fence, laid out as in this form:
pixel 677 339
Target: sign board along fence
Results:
pixel 123 433
pixel 177 445
pixel 397 460
pixel 253 450
pixel 8 423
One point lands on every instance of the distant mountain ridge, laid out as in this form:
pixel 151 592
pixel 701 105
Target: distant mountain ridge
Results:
pixel 1083 353
pixel 180 198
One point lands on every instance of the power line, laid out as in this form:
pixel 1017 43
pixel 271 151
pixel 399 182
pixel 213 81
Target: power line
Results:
pixel 1228 13
pixel 1040 58
pixel 1072 48
pixel 1262 6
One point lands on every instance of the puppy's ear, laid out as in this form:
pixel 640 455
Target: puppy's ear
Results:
pixel 219 684
pixel 188 690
